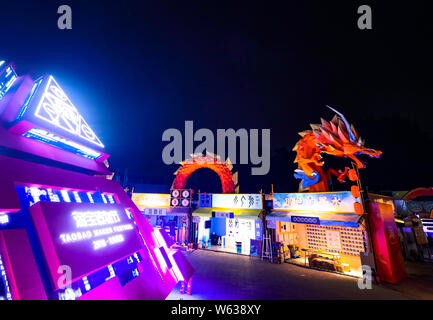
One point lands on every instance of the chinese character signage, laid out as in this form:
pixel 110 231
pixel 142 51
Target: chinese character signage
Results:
pixel 205 200
pixel 84 236
pixel 339 202
pixel 233 201
pixel 228 215
pixel 151 200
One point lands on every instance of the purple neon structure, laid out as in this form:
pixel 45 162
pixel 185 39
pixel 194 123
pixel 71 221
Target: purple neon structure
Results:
pixel 46 140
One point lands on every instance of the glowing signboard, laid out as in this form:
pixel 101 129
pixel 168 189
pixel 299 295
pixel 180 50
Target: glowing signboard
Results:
pixel 84 236
pixel 341 202
pixel 56 108
pixel 234 201
pixel 151 200
pixel 48 116
pixel 7 78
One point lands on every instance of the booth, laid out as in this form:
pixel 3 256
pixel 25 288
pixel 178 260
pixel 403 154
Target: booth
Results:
pixel 66 230
pixel 229 223
pixel 326 231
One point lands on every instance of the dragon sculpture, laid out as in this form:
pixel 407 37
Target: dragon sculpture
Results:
pixel 336 138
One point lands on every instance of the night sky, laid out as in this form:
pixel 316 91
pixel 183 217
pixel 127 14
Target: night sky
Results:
pixel 136 68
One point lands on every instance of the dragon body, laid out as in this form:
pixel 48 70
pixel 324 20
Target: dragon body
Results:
pixel 336 138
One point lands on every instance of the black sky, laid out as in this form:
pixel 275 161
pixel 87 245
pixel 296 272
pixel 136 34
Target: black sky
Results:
pixel 136 68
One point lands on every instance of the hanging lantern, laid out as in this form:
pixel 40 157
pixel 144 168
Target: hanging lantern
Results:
pixel 358 208
pixel 353 175
pixel 355 191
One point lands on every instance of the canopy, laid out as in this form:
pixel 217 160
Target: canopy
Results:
pixel 325 218
pixel 244 213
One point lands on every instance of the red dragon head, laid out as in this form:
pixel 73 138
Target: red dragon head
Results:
pixel 340 139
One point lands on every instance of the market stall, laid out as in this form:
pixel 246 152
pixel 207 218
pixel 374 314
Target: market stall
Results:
pixel 319 230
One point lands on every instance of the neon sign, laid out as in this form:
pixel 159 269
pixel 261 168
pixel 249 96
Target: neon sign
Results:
pixel 29 98
pixel 232 201
pixel 85 236
pixel 56 108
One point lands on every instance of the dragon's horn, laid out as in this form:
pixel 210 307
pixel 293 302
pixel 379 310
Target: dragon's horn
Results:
pixel 303 133
pixel 342 135
pixel 334 119
pixel 325 124
pixel 354 131
pixel 351 135
pixel 314 126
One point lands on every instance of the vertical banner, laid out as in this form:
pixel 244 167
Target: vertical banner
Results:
pixel 386 243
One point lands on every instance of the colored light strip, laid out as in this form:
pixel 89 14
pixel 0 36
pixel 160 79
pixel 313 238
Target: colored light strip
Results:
pixel 5 280
pixel 61 143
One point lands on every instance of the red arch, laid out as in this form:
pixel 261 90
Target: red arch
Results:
pixel 191 165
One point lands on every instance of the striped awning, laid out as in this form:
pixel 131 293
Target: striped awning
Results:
pixel 207 212
pixel 323 218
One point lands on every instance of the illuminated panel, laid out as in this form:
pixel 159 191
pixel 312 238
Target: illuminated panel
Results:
pixel 315 202
pixel 85 236
pixel 62 143
pixel 29 98
pixel 56 108
pixel 124 269
pixel 7 78
pixel 237 201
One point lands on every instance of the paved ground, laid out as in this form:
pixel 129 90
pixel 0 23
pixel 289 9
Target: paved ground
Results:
pixel 234 277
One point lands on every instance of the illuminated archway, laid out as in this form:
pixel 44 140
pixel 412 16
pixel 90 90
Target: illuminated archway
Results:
pixel 222 169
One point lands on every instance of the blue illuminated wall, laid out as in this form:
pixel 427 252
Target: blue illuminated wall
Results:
pixel 218 226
